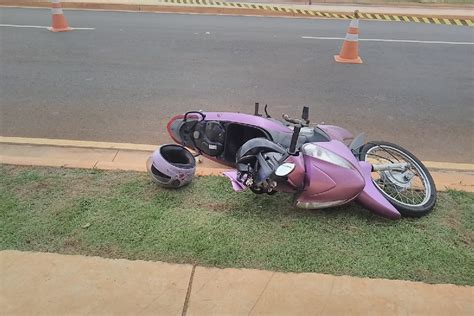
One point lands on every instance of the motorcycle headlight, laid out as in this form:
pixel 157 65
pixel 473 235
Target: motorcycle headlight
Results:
pixel 325 155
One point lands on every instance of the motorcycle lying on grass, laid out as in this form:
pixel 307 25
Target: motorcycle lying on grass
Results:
pixel 322 165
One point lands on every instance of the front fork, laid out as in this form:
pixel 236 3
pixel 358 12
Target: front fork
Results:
pixel 391 166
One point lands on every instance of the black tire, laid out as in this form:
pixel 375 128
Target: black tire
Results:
pixel 256 190
pixel 403 208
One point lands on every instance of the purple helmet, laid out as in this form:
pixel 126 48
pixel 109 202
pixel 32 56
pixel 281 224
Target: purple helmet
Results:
pixel 171 166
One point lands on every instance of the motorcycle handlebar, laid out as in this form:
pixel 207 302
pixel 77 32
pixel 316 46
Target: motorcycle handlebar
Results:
pixel 294 140
pixel 287 118
pixel 296 132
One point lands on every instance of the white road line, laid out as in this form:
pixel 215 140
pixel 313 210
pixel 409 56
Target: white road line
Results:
pixel 389 40
pixel 44 27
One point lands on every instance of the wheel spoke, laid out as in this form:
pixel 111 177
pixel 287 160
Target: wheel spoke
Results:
pixel 412 191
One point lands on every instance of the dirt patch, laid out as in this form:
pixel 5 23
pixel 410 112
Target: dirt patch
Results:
pixel 468 238
pixel 72 244
pixel 213 207
pixel 453 214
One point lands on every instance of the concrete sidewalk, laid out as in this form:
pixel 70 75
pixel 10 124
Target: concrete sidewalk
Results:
pixel 451 15
pixel 426 9
pixel 53 284
pixel 117 156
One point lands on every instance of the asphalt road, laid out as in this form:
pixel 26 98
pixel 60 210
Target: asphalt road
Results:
pixel 122 81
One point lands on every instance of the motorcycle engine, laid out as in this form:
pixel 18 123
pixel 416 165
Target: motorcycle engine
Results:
pixel 257 173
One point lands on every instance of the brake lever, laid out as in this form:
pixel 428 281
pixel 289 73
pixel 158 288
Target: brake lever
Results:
pixel 287 118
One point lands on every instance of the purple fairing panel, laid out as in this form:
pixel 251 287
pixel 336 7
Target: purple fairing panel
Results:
pixel 372 199
pixel 296 179
pixel 236 185
pixel 336 132
pixel 329 182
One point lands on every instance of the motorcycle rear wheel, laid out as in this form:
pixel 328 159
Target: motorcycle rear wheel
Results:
pixel 412 192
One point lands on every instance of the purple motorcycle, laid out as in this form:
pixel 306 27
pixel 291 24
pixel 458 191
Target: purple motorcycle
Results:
pixel 322 165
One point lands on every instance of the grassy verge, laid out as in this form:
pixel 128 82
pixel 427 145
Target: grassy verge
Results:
pixel 123 215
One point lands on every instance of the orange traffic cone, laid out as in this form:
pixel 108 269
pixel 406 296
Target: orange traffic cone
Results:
pixel 350 48
pixel 59 23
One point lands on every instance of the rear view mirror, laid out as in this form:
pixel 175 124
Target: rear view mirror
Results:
pixel 285 169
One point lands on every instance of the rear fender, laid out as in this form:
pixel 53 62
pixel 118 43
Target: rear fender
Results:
pixel 173 127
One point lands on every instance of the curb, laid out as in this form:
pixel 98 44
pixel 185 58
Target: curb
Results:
pixel 86 155
pixel 237 8
pixel 75 143
pixel 132 157
pixel 435 165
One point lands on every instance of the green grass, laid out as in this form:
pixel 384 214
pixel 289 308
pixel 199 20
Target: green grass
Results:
pixel 124 215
